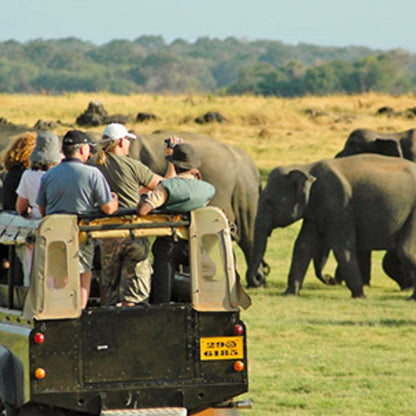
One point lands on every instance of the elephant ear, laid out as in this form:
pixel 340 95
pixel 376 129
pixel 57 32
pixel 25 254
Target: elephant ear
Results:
pixel 388 147
pixel 302 183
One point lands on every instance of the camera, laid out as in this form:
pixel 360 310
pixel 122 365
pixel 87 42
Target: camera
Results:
pixel 172 141
pixel 169 143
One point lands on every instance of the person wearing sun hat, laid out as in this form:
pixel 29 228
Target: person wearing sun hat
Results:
pixel 125 268
pixel 72 187
pixel 45 155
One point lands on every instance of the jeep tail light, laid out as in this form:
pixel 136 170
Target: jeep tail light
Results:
pixel 238 365
pixel 39 338
pixel 238 329
pixel 40 373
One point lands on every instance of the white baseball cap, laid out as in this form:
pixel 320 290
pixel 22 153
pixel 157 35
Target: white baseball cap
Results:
pixel 115 131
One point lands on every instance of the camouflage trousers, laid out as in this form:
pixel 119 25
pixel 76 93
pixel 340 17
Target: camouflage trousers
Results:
pixel 125 270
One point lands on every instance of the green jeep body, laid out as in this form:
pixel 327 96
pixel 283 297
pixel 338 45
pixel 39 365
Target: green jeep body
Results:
pixel 177 358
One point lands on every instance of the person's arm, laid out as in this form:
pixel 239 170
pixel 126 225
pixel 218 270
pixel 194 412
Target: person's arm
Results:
pixel 143 208
pixel 170 144
pixel 170 171
pixel 22 206
pixel 153 183
pixel 41 210
pixel 112 206
pixel 153 200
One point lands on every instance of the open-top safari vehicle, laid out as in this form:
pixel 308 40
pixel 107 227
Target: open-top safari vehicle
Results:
pixel 181 358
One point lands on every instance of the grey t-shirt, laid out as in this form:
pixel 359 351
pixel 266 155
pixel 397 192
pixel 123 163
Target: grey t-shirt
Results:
pixel 73 188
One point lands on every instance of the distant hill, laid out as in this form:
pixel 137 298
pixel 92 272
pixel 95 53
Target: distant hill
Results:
pixel 234 66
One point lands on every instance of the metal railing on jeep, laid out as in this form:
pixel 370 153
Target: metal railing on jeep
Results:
pixel 54 291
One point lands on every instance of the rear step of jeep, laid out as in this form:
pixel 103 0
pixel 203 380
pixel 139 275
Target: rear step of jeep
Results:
pixel 155 411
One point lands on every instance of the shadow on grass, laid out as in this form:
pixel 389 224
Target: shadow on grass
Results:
pixel 375 323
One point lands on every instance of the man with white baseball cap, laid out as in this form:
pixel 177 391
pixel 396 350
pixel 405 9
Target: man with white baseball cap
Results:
pixel 125 268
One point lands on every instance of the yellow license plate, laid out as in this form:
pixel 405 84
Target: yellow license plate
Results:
pixel 221 348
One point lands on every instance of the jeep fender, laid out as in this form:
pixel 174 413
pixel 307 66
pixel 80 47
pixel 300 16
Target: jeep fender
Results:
pixel 11 379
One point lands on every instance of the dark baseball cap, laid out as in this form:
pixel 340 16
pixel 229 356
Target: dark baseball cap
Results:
pixel 185 157
pixel 76 137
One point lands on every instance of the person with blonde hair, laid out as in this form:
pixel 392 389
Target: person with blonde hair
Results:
pixel 125 267
pixel 15 161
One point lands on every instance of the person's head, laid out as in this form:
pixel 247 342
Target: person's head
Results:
pixel 76 144
pixel 46 152
pixel 184 158
pixel 17 154
pixel 115 139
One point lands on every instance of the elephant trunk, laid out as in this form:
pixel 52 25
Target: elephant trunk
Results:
pixel 255 277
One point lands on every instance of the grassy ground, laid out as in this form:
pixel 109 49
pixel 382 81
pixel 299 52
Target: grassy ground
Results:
pixel 321 353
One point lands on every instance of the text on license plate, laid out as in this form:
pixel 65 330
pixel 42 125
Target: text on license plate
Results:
pixel 221 348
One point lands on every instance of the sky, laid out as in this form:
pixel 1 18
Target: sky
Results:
pixel 378 24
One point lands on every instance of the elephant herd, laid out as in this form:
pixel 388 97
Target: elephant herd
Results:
pixel 350 205
pixel 357 202
pixel 362 200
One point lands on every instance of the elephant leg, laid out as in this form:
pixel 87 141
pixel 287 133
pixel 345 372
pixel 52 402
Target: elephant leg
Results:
pixel 344 244
pixel 406 251
pixel 396 271
pixel 320 258
pixel 303 253
pixel 364 263
pixel 348 268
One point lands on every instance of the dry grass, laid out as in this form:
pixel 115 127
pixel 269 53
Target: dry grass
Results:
pixel 272 130
pixel 321 353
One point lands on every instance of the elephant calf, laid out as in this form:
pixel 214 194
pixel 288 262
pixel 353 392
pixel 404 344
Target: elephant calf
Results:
pixel 354 204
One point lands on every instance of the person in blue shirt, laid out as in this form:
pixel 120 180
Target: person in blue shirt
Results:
pixel 72 187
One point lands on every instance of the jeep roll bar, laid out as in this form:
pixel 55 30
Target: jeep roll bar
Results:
pixel 54 292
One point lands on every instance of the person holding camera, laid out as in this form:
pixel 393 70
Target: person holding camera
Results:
pixel 182 193
pixel 125 268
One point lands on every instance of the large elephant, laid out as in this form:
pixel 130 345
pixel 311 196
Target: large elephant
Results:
pixel 399 144
pixel 354 204
pixel 232 172
pixel 396 144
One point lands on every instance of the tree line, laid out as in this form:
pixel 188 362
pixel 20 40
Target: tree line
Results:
pixel 231 66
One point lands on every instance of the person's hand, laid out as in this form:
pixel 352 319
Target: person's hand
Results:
pixel 170 143
pixel 27 211
pixel 195 173
pixel 143 190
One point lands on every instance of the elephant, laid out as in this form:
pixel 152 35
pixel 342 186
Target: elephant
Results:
pixel 232 172
pixel 352 205
pixel 398 144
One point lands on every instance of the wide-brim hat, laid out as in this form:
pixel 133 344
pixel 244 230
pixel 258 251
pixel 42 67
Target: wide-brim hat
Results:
pixel 47 148
pixel 185 157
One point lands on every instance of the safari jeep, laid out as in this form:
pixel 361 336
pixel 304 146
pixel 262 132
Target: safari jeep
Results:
pixel 182 358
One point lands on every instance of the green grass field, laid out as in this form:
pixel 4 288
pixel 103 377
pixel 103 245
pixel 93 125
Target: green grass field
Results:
pixel 321 353
pixel 324 353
